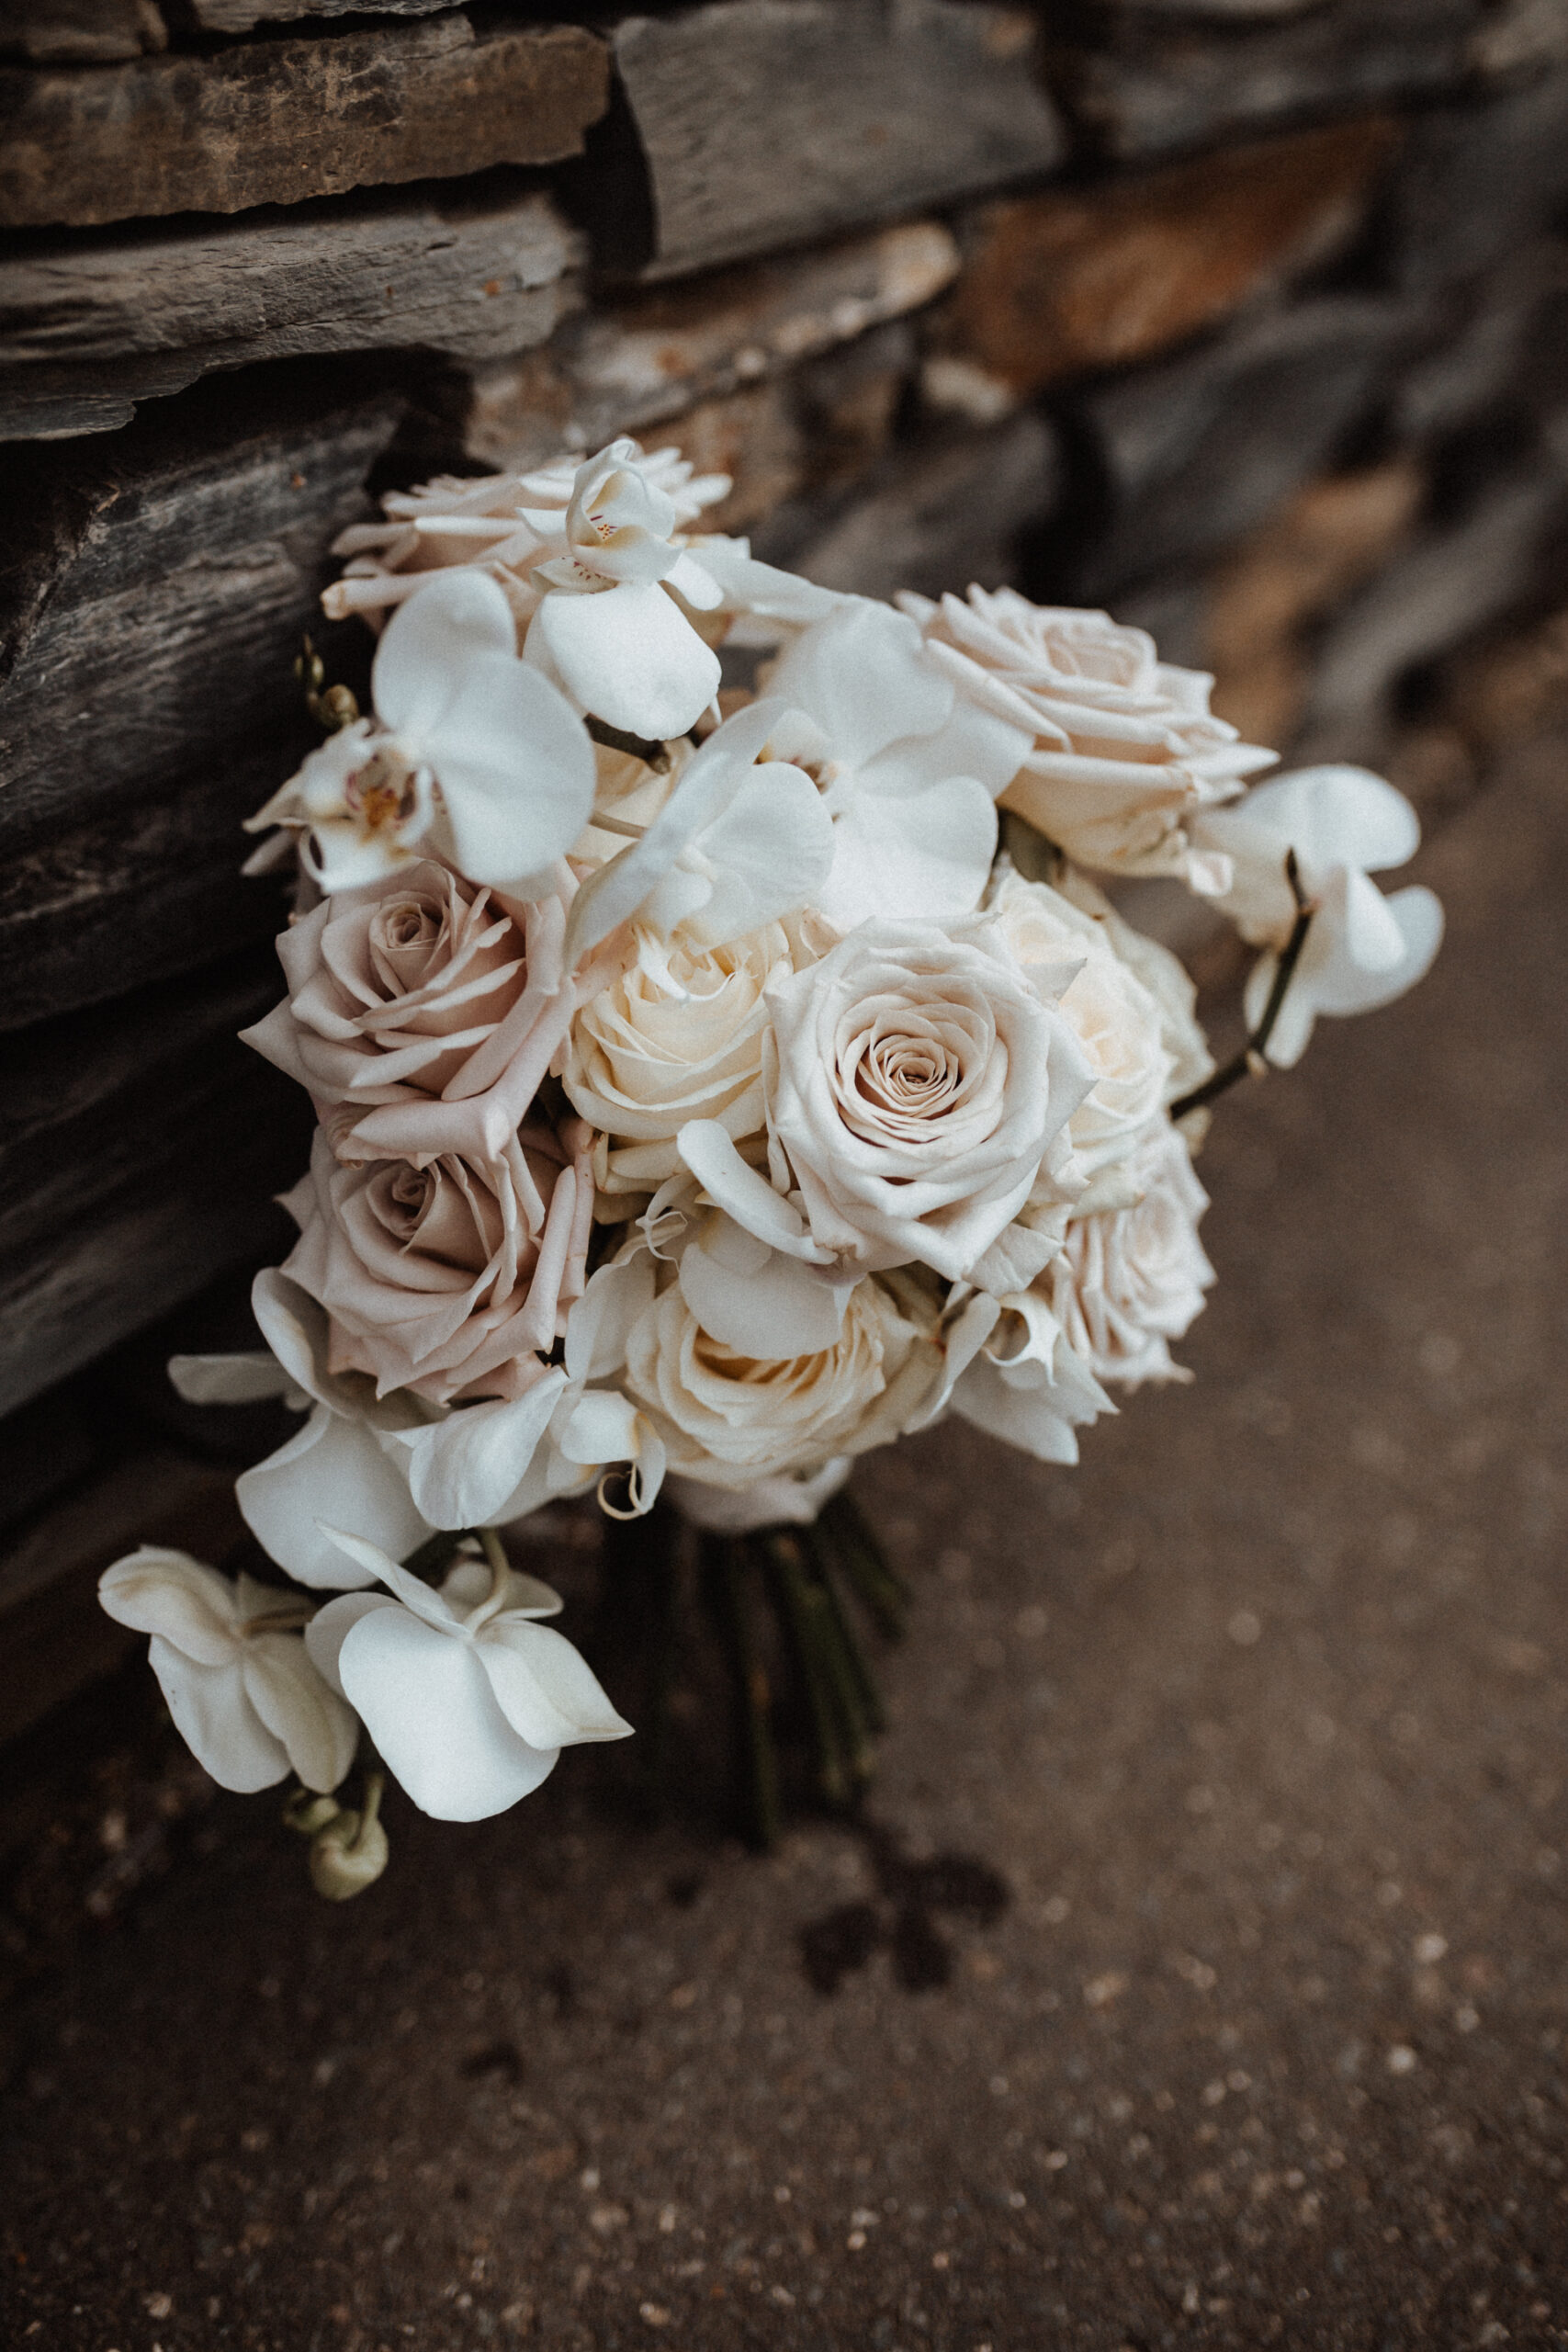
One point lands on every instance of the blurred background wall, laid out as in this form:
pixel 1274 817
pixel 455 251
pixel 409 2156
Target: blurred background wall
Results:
pixel 1246 318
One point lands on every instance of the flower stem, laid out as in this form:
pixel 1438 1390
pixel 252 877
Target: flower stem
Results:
pixel 1253 1061
pixel 839 1761
pixel 726 1577
pixel 867 1697
pixel 879 1590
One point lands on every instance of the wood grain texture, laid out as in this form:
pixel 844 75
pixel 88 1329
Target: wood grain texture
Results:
pixel 276 121
pixel 81 32
pixel 164 580
pixel 769 122
pixel 629 364
pixel 244 16
pixel 144 1147
pixel 89 330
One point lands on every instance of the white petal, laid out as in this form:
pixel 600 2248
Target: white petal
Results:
pixel 217 1721
pixel 412 1591
pixel 427 1704
pixel 918 856
pixel 546 1690
pixel 331 1469
pixel 461 1470
pixel 772 848
pixel 329 1629
pixel 601 1425
pixel 1337 815
pixel 705 789
pixel 862 675
pixel 755 1299
pixel 181 1599
pixel 708 1151
pixel 318 1729
pixel 228 1380
pixel 515 768
pixel 785 1501
pixel 628 655
pixel 597 1327
pixel 430 639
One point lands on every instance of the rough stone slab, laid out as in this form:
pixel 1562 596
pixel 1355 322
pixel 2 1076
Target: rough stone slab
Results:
pixel 276 121
pixel 932 519
pixel 164 580
pixel 146 1147
pixel 1474 182
pixel 1198 450
pixel 81 32
pixel 243 15
pixel 769 122
pixel 1141 88
pixel 1069 281
pixel 633 362
pixel 89 330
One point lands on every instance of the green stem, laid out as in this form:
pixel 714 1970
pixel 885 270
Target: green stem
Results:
pixel 1252 1061
pixel 879 1590
pixel 810 1638
pixel 725 1579
pixel 868 1698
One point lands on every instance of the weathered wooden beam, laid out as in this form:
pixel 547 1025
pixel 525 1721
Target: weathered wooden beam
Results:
pixel 769 122
pixel 142 1149
pixel 629 364
pixel 243 15
pixel 81 32
pixel 276 121
pixel 1138 85
pixel 88 329
pixel 163 580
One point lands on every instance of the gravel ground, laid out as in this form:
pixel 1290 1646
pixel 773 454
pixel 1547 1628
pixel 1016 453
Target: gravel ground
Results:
pixel 1226 1796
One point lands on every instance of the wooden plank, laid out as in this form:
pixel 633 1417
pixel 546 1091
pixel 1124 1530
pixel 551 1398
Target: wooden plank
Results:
pixel 769 122
pixel 142 1152
pixel 88 329
pixel 1140 88
pixel 244 16
pixel 81 32
pixel 164 580
pixel 627 365
pixel 276 121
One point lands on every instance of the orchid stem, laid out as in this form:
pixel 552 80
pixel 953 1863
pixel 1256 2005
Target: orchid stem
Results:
pixel 494 1552
pixel 1253 1061
pixel 867 1697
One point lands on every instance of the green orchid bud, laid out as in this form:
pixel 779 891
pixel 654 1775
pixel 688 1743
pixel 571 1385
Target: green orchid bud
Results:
pixel 349 1852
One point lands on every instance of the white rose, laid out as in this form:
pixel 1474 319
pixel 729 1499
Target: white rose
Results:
pixel 1114 1018
pixel 1164 975
pixel 916 1081
pixel 1129 1280
pixel 677 1035
pixel 729 1419
pixel 1125 748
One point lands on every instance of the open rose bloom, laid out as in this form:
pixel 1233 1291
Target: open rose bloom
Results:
pixel 706 1100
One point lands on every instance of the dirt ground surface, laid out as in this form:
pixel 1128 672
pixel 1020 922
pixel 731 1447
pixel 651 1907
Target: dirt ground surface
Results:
pixel 1257 1720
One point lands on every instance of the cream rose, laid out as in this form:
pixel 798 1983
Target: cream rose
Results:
pixel 448 1280
pixel 677 1035
pixel 916 1081
pixel 394 992
pixel 729 1419
pixel 1163 975
pixel 1114 1018
pixel 1130 1280
pixel 1126 749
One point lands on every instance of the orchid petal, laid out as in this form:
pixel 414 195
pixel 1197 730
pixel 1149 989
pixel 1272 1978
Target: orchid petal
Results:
pixel 329 1629
pixel 335 1468
pixel 228 1380
pixel 412 1591
pixel 515 768
pixel 427 1703
pixel 628 655
pixel 862 675
pixel 545 1688
pixel 923 857
pixel 185 1603
pixel 431 638
pixel 217 1721
pixel 319 1731
pixel 757 1300
pixel 461 1470
pixel 772 848
pixel 1337 815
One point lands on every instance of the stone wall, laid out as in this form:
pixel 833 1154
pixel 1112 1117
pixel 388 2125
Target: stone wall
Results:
pixel 1245 318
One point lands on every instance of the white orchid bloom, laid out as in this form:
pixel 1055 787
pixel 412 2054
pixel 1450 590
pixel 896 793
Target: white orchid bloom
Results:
pixel 1362 949
pixel 475 753
pixel 244 1694
pixel 908 772
pixel 468 1698
pixel 612 631
pixel 768 605
pixel 736 845
pixel 339 1461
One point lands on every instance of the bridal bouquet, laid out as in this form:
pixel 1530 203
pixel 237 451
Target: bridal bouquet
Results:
pixel 714 1080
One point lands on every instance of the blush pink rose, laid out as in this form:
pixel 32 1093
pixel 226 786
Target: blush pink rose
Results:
pixel 452 1279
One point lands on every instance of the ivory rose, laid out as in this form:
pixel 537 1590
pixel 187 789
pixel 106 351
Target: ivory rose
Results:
pixel 1114 1018
pixel 677 1036
pixel 452 1279
pixel 1130 1280
pixel 393 991
pixel 1162 974
pixel 730 1418
pixel 915 1081
pixel 1126 750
